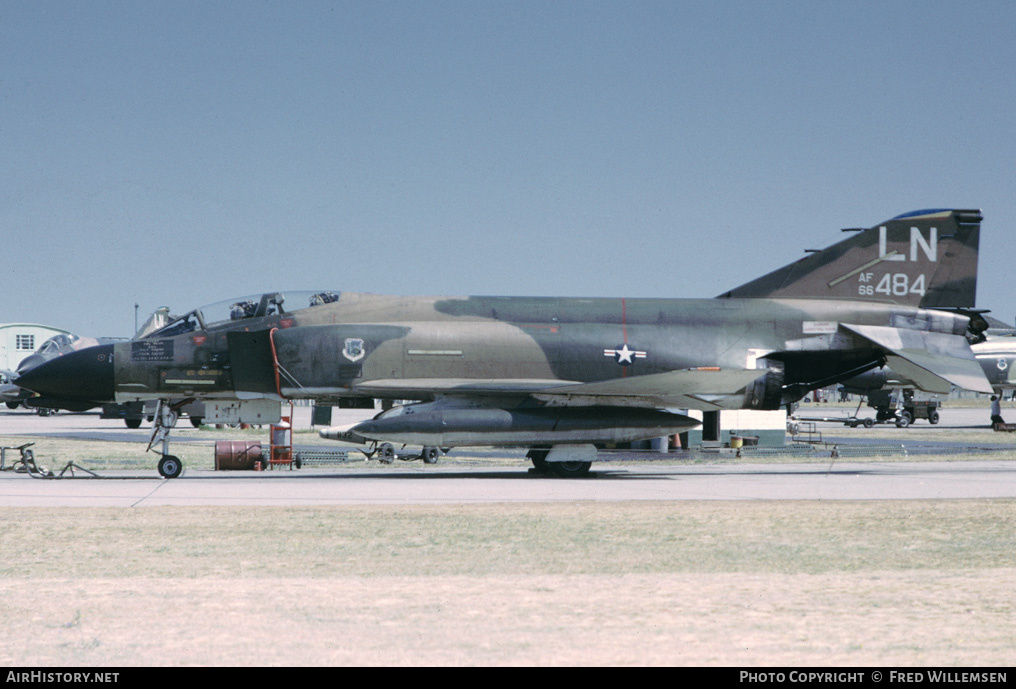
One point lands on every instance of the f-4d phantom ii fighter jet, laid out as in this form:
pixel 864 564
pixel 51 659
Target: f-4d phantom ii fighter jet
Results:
pixel 562 375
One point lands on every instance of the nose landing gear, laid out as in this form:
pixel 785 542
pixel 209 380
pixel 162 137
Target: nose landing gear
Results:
pixel 165 419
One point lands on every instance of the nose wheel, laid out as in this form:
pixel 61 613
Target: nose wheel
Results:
pixel 170 466
pixel 165 418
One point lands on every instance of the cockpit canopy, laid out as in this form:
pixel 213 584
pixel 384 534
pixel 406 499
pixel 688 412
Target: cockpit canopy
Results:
pixel 57 343
pixel 237 309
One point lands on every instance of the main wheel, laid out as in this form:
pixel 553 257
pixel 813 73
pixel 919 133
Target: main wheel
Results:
pixel 569 469
pixel 132 423
pixel 903 420
pixel 557 469
pixel 539 460
pixel 430 455
pixel 170 466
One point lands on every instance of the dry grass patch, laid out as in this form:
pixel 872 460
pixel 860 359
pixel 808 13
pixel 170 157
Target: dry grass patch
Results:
pixel 753 583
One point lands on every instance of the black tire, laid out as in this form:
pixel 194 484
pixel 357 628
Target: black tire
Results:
pixel 387 453
pixel 903 420
pixel 869 422
pixel 196 421
pixel 12 405
pixel 170 466
pixel 539 460
pixel 558 469
pixel 430 455
pixel 569 469
pixel 132 423
pixel 933 417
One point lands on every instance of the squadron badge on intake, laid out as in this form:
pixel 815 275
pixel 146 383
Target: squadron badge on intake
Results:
pixel 353 349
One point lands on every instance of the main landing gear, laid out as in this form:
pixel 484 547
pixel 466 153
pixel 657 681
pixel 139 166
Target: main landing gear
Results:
pixel 557 469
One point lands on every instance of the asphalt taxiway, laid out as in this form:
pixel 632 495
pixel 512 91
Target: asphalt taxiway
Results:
pixel 974 476
pixel 840 481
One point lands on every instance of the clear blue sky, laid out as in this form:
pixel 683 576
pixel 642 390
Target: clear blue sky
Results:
pixel 180 153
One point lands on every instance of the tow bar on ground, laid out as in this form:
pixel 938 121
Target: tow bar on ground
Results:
pixel 25 464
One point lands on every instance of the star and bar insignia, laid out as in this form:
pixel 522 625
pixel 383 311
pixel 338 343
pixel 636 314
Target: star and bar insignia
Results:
pixel 624 355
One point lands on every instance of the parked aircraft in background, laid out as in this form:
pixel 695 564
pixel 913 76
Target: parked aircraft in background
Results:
pixel 9 392
pixel 997 357
pixel 563 375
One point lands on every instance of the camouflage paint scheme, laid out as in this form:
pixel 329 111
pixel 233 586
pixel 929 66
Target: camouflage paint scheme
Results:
pixel 493 370
pixel 996 356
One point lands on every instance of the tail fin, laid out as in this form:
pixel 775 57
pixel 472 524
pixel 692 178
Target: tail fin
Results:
pixel 925 258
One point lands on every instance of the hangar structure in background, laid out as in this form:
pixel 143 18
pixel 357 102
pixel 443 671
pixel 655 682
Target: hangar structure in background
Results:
pixel 561 376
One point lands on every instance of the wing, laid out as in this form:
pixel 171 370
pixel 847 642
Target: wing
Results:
pixel 935 362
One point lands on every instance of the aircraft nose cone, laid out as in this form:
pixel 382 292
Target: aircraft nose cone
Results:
pixel 84 375
pixel 30 362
